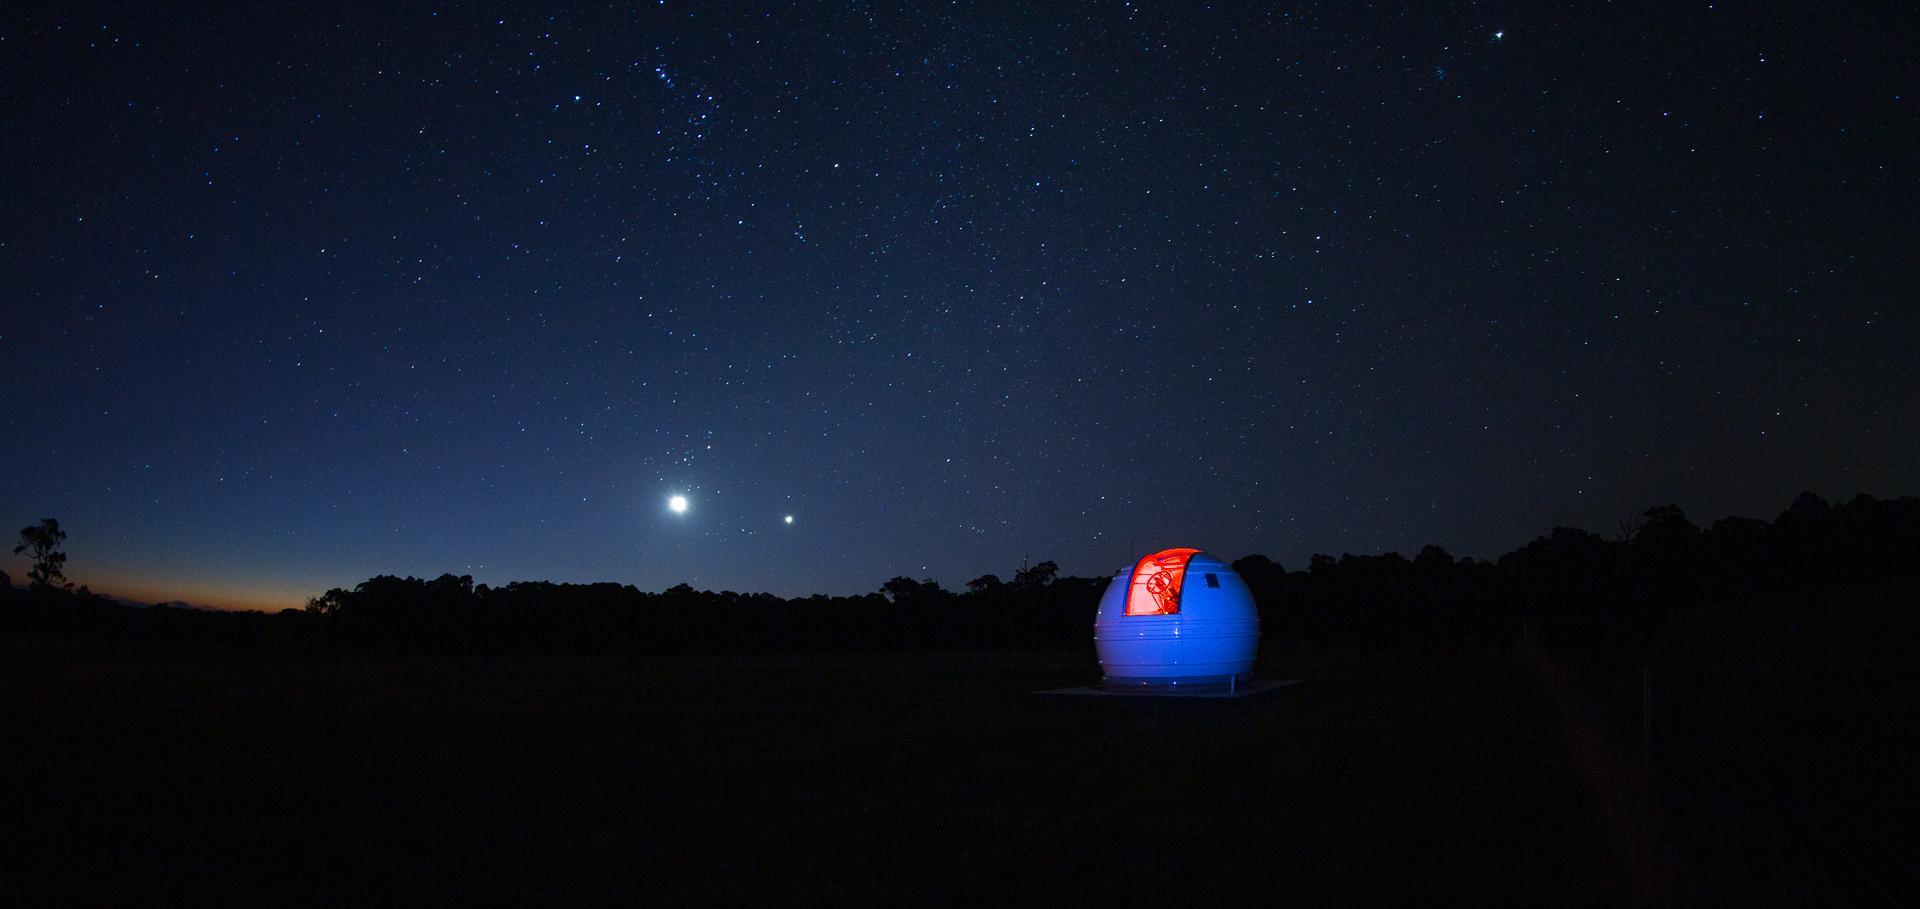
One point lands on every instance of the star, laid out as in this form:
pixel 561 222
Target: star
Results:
pixel 677 504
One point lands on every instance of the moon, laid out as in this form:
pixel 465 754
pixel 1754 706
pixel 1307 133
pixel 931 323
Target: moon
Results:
pixel 677 504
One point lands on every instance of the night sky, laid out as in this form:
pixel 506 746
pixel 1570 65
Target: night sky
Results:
pixel 296 295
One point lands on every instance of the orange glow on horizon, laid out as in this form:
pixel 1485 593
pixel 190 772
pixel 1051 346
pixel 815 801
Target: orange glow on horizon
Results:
pixel 239 590
pixel 1156 582
pixel 227 597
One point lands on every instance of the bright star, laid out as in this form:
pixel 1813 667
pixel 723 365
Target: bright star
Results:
pixel 789 519
pixel 1499 35
pixel 677 504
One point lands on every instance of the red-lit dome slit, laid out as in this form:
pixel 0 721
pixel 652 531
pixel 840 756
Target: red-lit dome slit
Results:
pixel 1156 583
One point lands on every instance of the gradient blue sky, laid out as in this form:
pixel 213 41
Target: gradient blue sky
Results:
pixel 296 295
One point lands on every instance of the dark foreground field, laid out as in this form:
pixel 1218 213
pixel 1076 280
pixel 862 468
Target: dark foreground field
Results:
pixel 144 773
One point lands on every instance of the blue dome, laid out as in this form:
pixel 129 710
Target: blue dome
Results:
pixel 1177 617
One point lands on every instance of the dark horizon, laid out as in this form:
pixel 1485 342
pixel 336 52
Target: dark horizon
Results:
pixel 1874 521
pixel 296 298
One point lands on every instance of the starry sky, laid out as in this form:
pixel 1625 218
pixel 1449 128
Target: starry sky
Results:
pixel 296 294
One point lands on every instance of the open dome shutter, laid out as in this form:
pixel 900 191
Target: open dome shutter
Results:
pixel 1155 589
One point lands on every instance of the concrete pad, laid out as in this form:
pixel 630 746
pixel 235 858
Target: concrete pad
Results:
pixel 1242 690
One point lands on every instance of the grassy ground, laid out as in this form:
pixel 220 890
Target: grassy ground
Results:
pixel 1777 748
pixel 141 772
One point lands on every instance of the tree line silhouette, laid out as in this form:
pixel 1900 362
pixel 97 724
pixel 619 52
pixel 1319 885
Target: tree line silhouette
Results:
pixel 1625 587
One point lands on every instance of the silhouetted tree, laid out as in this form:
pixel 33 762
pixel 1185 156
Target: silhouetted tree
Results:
pixel 1432 556
pixel 327 603
pixel 1665 526
pixel 985 583
pixel 1040 574
pixel 1809 506
pixel 1264 577
pixel 905 591
pixel 41 544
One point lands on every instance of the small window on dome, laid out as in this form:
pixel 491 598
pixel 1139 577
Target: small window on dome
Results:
pixel 1213 580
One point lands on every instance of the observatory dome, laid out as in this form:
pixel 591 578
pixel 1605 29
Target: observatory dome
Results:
pixel 1177 617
